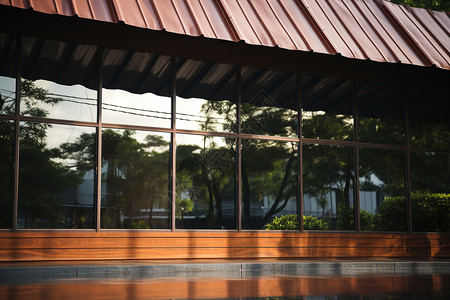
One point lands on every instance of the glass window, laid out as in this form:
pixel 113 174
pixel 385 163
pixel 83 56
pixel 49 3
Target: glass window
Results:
pixel 47 99
pixel 328 187
pixel 206 96
pixel 429 118
pixel 135 179
pixel 269 102
pixel 60 62
pixel 7 95
pixel 380 112
pixel 327 108
pixel 68 91
pixel 148 76
pixel 6 172
pixel 269 181
pixel 56 176
pixel 206 172
pixel 8 73
pixel 382 190
pixel 430 191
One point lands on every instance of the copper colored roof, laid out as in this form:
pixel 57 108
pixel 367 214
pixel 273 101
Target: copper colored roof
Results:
pixel 362 29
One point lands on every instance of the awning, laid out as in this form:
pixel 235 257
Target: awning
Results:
pixel 373 30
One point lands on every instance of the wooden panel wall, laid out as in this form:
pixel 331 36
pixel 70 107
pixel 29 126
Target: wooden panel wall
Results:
pixel 147 245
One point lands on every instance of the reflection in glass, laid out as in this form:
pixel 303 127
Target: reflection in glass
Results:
pixel 269 181
pixel 429 120
pixel 382 190
pixel 198 81
pixel 328 187
pixel 327 108
pixel 380 112
pixel 269 102
pixel 430 191
pixel 7 95
pixel 148 76
pixel 56 176
pixel 122 107
pixel 206 171
pixel 46 99
pixel 8 55
pixel 6 172
pixel 135 170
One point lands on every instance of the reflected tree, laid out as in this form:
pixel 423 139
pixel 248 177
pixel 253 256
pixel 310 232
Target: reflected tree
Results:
pixel 43 176
pixel 204 174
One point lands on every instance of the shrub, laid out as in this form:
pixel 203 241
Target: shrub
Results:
pixel 431 212
pixel 290 222
pixel 286 222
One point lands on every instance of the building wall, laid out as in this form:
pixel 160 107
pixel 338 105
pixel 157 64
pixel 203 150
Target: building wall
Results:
pixel 52 246
pixel 136 155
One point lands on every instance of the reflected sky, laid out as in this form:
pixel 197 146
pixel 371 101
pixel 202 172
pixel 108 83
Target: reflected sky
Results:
pixel 273 287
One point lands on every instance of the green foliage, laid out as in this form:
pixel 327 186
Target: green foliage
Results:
pixel 286 222
pixel 366 220
pixel 346 216
pixel 391 215
pixel 141 224
pixel 313 223
pixel 442 5
pixel 290 222
pixel 431 212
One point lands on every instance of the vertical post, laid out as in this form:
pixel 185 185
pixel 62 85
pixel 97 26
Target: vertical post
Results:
pixel 98 167
pixel 300 153
pixel 15 206
pixel 407 164
pixel 173 95
pixel 238 149
pixel 356 154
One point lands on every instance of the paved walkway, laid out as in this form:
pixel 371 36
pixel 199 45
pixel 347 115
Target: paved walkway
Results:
pixel 29 271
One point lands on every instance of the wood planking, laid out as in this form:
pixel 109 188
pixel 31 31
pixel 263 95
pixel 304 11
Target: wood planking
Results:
pixel 111 245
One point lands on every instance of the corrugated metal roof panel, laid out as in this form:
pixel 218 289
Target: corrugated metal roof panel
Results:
pixel 363 29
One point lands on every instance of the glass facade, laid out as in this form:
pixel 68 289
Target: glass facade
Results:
pixel 56 176
pixel 135 179
pixel 97 138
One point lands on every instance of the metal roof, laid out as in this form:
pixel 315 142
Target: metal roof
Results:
pixel 374 30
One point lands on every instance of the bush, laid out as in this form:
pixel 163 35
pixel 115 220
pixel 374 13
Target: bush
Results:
pixel 290 222
pixel 431 213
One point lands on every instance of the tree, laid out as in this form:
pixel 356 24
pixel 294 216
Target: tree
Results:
pixel 441 5
pixel 43 177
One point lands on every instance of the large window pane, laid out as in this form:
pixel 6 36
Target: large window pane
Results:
pixel 58 61
pixel 56 176
pixel 6 172
pixel 135 179
pixel 7 95
pixel 70 72
pixel 269 181
pixel 380 112
pixel 269 102
pixel 46 99
pixel 327 108
pixel 429 118
pixel 382 190
pixel 8 72
pixel 430 191
pixel 148 75
pixel 206 96
pixel 206 171
pixel 328 188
